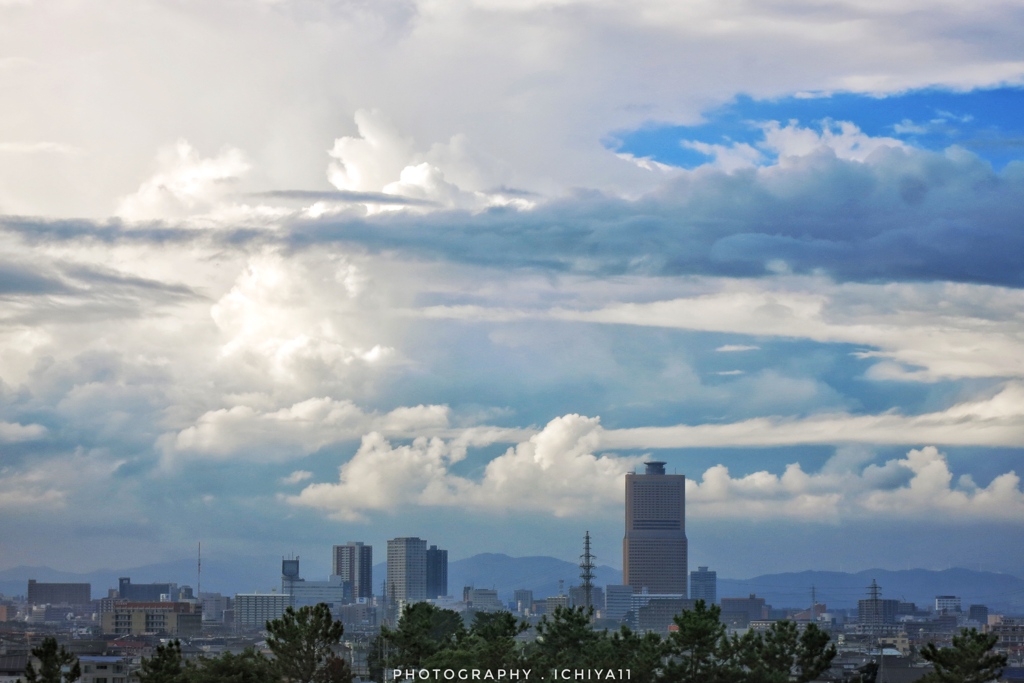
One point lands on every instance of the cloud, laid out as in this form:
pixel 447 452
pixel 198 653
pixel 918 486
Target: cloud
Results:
pixel 185 183
pixel 994 421
pixel 842 138
pixel 297 477
pixel 296 318
pixel 558 472
pixel 554 472
pixel 56 484
pixel 733 348
pixel 439 70
pixel 878 213
pixel 11 432
pixel 940 330
pixel 250 434
pixel 38 148
pixel 924 490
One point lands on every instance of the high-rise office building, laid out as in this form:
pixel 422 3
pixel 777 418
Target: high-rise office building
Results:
pixel 654 548
pixel 437 572
pixel 407 569
pixel 353 562
pixel 704 586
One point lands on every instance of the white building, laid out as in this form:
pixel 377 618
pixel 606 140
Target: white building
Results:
pixel 254 610
pixel 947 604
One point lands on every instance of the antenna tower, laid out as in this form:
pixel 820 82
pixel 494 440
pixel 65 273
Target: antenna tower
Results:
pixel 199 574
pixel 587 572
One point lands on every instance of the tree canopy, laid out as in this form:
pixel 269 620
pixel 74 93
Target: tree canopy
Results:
pixel 56 665
pixel 303 643
pixel 969 660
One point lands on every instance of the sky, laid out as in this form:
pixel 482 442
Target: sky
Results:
pixel 281 274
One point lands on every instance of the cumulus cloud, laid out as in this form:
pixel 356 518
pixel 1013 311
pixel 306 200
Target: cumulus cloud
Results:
pixel 380 159
pixel 555 471
pixel 251 434
pixel 302 317
pixel 185 183
pixel 14 432
pixel 923 489
pixel 842 138
pixel 558 471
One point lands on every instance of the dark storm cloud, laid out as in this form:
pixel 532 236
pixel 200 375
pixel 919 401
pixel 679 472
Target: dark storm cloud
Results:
pixel 901 215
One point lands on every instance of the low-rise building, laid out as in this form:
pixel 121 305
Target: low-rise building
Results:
pixel 162 618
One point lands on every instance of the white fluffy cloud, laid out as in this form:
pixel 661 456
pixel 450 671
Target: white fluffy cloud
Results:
pixel 924 490
pixel 185 183
pixel 250 434
pixel 555 471
pixel 381 159
pixel 302 318
pixel 558 471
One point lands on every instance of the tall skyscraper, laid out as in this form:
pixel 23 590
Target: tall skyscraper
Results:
pixel 654 548
pixel 353 562
pixel 704 586
pixel 437 572
pixel 407 569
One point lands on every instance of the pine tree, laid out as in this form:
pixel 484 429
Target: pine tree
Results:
pixel 56 665
pixel 969 660
pixel 303 643
pixel 165 666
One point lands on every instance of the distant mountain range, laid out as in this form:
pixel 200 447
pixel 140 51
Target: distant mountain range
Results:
pixel 1001 592
pixel 838 590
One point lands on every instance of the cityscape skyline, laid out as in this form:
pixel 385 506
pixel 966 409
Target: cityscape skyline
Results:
pixel 279 274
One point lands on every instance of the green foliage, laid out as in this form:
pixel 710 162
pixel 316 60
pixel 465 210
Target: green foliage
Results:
pixel 643 655
pixel 699 652
pixel 303 644
pixel 423 632
pixel 565 639
pixel 784 654
pixel 165 666
pixel 52 659
pixel 249 667
pixel 969 660
pixel 491 643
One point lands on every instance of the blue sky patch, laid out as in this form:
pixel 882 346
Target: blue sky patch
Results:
pixel 990 123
